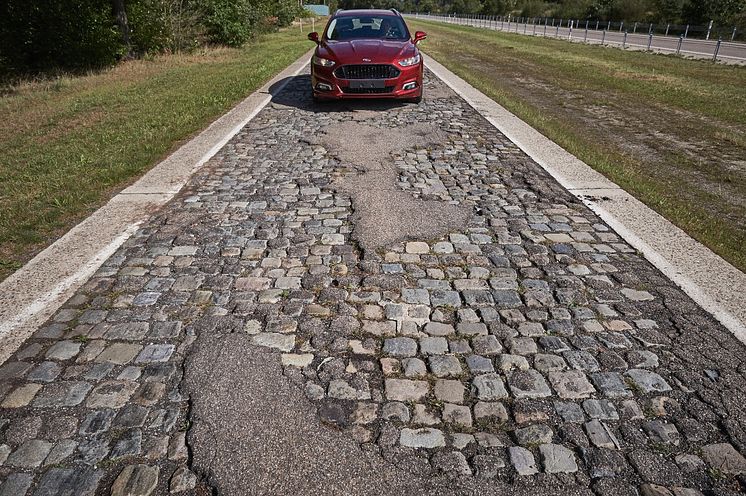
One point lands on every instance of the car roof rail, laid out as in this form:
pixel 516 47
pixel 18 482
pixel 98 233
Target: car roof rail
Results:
pixel 396 12
pixel 338 11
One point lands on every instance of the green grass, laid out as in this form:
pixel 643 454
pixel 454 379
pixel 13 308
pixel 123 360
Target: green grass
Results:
pixel 69 144
pixel 670 131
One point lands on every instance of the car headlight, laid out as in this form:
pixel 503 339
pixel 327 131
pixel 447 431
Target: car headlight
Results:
pixel 322 62
pixel 410 61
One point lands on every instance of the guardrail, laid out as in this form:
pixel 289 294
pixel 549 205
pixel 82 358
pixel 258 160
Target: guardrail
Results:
pixel 603 34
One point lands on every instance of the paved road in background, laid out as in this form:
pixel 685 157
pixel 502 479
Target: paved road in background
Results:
pixel 259 335
pixel 729 52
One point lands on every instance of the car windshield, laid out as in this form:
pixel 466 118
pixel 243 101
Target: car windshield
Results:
pixel 367 27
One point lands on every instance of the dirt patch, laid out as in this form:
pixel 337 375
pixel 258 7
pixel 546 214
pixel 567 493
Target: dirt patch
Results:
pixel 384 214
pixel 665 141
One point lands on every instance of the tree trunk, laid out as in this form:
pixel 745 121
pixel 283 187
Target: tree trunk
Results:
pixel 120 15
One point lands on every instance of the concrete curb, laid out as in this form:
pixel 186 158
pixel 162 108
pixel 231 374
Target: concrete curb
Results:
pixel 713 283
pixel 33 293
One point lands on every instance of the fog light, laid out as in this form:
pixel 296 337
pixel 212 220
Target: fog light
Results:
pixel 409 86
pixel 323 87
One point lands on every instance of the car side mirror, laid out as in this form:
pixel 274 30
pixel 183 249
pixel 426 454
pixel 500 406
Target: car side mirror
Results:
pixel 419 36
pixel 314 37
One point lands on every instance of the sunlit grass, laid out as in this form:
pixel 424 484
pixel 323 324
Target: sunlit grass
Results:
pixel 68 144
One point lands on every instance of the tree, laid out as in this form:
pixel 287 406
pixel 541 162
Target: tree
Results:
pixel 498 7
pixel 120 17
pixel 631 10
pixel 427 6
pixel 669 10
pixel 48 35
pixel 533 8
pixel 574 9
pixel 721 11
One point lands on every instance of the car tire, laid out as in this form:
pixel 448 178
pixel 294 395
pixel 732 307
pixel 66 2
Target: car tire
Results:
pixel 418 98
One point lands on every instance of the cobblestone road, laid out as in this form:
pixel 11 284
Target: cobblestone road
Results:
pixel 527 345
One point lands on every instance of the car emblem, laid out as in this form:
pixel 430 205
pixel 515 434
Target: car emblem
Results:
pixel 366 60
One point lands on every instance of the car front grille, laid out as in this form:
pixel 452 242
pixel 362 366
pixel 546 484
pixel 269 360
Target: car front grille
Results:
pixel 367 71
pixel 368 91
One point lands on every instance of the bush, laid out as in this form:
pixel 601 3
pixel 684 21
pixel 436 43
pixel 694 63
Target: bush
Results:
pixel 163 25
pixel 40 35
pixel 574 9
pixel 499 7
pixel 45 35
pixel 534 8
pixel 286 11
pixel 231 22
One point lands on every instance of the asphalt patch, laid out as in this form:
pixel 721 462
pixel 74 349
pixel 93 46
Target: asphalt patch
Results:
pixel 384 213
pixel 254 432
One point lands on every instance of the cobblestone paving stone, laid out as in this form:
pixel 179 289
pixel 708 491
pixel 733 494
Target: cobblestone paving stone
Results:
pixel 532 344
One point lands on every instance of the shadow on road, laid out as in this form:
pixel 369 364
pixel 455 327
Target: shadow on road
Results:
pixel 297 94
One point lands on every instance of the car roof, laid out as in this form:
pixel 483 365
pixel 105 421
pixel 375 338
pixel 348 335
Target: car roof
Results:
pixel 361 12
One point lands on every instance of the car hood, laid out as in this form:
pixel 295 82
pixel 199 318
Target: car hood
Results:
pixel 378 51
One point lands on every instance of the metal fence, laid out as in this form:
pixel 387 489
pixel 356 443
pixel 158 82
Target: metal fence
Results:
pixel 681 40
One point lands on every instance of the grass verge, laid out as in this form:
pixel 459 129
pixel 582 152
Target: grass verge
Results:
pixel 670 131
pixel 71 143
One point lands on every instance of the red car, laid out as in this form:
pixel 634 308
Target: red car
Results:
pixel 367 54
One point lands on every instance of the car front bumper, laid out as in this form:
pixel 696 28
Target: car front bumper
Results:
pixel 327 86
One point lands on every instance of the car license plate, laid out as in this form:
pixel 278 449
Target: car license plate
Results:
pixel 367 83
